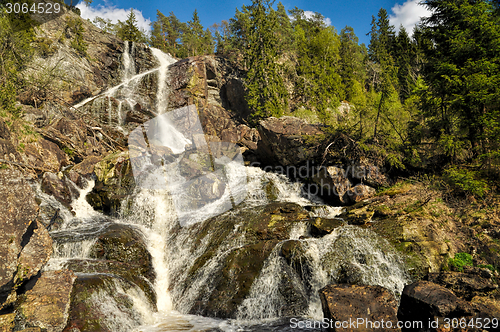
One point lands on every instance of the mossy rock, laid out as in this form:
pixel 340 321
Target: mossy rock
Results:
pixel 129 272
pixel 123 243
pixel 97 304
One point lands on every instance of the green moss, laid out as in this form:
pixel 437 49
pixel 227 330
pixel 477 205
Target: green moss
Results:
pixel 68 151
pixel 460 260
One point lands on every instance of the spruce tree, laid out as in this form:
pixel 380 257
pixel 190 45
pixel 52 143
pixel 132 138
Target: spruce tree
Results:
pixel 267 95
pixel 128 30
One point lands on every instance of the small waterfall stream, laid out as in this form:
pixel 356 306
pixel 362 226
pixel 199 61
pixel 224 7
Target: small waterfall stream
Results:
pixel 165 220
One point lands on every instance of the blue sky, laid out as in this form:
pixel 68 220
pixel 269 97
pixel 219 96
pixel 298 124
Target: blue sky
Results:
pixel 355 13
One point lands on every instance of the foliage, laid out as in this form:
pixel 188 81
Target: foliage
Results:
pixel 466 181
pixel 128 30
pixel 266 93
pixel 16 36
pixel 460 260
pixel 74 26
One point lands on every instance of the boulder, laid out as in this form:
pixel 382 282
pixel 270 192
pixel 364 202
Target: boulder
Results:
pixel 370 174
pixel 359 193
pixel 122 243
pixel 333 184
pixel 322 226
pixel 289 141
pixel 131 272
pixel 60 189
pixel 45 154
pixel 24 243
pixel 99 302
pixel 46 304
pixel 86 167
pixel 368 305
pixel 424 301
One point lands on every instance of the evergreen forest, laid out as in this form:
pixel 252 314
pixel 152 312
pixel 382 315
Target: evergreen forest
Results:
pixel 425 102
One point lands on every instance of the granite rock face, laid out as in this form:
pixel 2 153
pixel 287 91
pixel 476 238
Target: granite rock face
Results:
pixel 46 305
pixel 25 245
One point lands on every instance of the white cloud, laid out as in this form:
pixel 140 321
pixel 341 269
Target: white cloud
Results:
pixel 309 14
pixel 408 14
pixel 114 14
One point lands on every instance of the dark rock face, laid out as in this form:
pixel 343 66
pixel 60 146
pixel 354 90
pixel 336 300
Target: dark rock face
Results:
pixel 124 244
pixel 426 301
pixel 115 180
pixel 238 268
pixel 288 140
pixel 25 245
pixel 98 303
pixel 423 300
pixel 334 184
pixel 63 191
pixel 465 285
pixel 345 303
pixel 47 303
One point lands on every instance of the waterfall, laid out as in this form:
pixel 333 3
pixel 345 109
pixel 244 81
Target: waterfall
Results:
pixel 166 206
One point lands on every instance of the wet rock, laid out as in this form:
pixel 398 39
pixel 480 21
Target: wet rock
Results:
pixel 99 302
pixel 295 254
pixel 345 303
pixel 264 227
pixel 128 271
pixel 288 140
pixel 17 229
pixel 115 180
pixel 124 244
pixel 323 226
pixel 333 184
pixel 46 304
pixel 59 188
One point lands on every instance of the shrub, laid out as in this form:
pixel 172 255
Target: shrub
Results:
pixel 466 181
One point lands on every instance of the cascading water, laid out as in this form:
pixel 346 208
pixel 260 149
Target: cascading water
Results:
pixel 166 218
